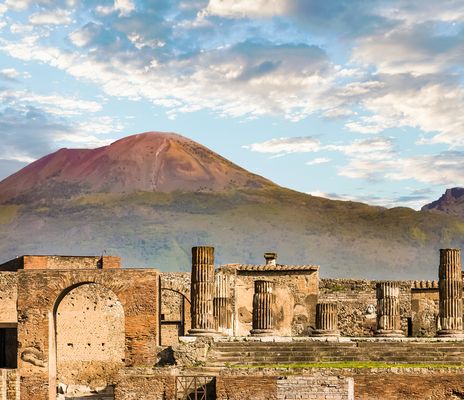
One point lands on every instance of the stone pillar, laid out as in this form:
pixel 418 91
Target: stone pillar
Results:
pixel 326 320
pixel 202 291
pixel 450 292
pixel 222 305
pixel 263 307
pixel 388 309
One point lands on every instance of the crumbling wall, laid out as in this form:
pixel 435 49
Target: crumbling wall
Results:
pixel 89 337
pixel 175 306
pixel 8 297
pixel 424 309
pixel 145 384
pixel 40 290
pixel 296 298
pixel 356 301
pixel 9 384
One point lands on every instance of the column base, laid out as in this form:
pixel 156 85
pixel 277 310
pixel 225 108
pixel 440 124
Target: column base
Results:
pixel 325 332
pixel 262 332
pixel 389 333
pixel 450 333
pixel 203 332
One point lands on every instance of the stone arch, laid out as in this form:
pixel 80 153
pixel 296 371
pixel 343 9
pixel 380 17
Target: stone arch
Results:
pixel 174 315
pixel 89 338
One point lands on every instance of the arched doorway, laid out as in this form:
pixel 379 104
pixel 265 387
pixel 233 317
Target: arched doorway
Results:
pixel 175 316
pixel 90 340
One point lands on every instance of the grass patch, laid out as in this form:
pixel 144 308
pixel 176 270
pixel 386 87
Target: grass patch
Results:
pixel 348 364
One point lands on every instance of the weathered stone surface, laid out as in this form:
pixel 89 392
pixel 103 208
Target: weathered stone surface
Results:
pixel 40 292
pixel 263 308
pixel 388 309
pixel 326 320
pixel 450 293
pixel 202 291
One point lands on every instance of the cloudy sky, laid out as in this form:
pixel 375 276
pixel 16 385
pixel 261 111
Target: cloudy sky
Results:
pixel 347 99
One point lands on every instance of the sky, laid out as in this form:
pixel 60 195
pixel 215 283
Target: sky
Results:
pixel 346 99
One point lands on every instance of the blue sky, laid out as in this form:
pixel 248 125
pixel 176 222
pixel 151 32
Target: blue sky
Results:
pixel 347 99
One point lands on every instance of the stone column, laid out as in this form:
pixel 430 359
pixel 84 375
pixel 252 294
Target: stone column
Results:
pixel 450 292
pixel 222 305
pixel 202 291
pixel 326 320
pixel 263 307
pixel 388 309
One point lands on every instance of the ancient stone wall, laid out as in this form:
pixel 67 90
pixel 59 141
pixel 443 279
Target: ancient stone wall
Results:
pixel 356 300
pixel 89 338
pixel 40 290
pixel 61 262
pixel 424 310
pixel 148 384
pixel 175 306
pixel 8 297
pixel 9 384
pixel 295 296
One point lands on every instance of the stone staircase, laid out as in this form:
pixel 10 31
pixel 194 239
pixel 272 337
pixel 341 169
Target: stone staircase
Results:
pixel 261 353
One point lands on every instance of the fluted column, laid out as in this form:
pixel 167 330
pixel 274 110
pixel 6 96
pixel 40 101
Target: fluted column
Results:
pixel 450 292
pixel 222 304
pixel 202 291
pixel 388 309
pixel 263 306
pixel 326 320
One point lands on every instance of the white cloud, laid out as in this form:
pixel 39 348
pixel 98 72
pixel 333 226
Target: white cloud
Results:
pixel 245 8
pixel 318 160
pixel 9 73
pixel 55 17
pixel 53 104
pixel 283 146
pixel 124 7
pixel 376 148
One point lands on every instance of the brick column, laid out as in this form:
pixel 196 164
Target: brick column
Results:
pixel 388 309
pixel 263 307
pixel 202 291
pixel 326 320
pixel 450 291
pixel 222 305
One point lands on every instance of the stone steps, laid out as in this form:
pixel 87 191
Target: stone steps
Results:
pixel 256 353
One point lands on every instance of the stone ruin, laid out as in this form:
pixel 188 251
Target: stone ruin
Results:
pixel 84 328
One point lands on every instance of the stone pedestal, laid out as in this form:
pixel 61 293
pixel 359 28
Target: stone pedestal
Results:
pixel 202 291
pixel 388 309
pixel 450 292
pixel 222 305
pixel 326 320
pixel 263 307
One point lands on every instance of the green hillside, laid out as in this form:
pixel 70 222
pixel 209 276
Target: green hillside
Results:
pixel 158 229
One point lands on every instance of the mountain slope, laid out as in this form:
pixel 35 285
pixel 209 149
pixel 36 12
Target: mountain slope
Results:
pixel 451 203
pixel 152 161
pixel 150 207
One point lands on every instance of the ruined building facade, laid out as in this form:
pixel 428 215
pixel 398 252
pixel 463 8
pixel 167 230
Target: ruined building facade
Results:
pixel 77 327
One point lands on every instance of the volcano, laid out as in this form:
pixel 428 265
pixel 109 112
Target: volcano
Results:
pixel 149 162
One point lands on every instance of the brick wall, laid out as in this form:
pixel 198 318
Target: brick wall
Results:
pixel 9 384
pixel 145 385
pixel 246 387
pixel 8 297
pixel 61 262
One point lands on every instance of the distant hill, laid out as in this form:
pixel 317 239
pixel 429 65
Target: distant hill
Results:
pixel 150 197
pixel 451 203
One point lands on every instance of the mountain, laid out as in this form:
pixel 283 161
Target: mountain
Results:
pixel 151 197
pixel 151 162
pixel 451 203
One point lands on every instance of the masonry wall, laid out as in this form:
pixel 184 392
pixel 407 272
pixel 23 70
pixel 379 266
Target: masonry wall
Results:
pixel 9 384
pixel 61 262
pixel 356 300
pixel 39 292
pixel 137 384
pixel 424 309
pixel 175 306
pixel 296 298
pixel 8 297
pixel 89 337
